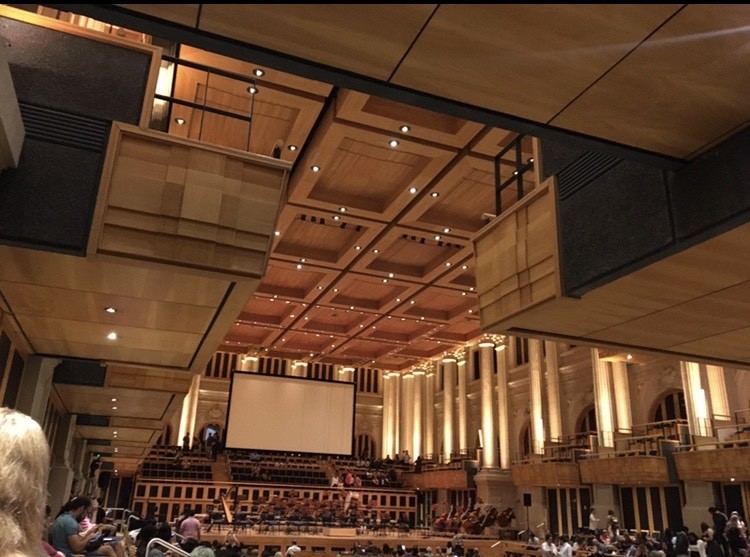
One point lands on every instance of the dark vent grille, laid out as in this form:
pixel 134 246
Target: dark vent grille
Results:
pixel 55 126
pixel 583 171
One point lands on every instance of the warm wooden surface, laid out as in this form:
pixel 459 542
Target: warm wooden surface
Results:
pixel 546 474
pixel 714 463
pixel 625 470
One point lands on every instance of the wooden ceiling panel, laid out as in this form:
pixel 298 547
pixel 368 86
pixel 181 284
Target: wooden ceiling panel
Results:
pixel 565 44
pixel 123 434
pixel 360 38
pixel 390 116
pixel 270 311
pixel 497 139
pixel 184 14
pixel 141 403
pixel 637 101
pixel 334 320
pixel 459 331
pixel 357 291
pixel 287 280
pixel 360 172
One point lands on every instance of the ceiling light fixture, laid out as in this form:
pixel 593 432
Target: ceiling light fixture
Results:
pixel 405 129
pixel 252 89
pixel 336 217
pixel 315 168
pixel 112 336
pixel 437 238
pixel 277 233
pixel 464 267
pixel 357 248
pixel 110 310
pixel 376 250
pixel 413 190
pixel 630 356
pixel 446 230
pixel 342 209
pixel 180 121
pixel 299 265
pixel 434 194
pixel 114 399
pixel 291 147
pixel 259 72
pixel 393 143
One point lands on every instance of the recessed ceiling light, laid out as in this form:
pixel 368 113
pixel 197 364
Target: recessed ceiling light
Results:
pixel 390 275
pixel 299 265
pixel 335 289
pixel 376 250
pixel 413 190
pixel 342 209
pixel 114 399
pixel 259 72
pixel 434 194
pixel 179 121
pixel 110 310
pixel 320 288
pixel 303 260
pixel 471 288
pixel 114 432
pixel 464 267
pixel 252 89
pixel 315 168
pixel 291 147
pixel 393 143
pixel 114 408
pixel 437 238
pixel 385 280
pixel 463 293
pixel 112 336
pixel 630 356
pixel 336 217
pixel 446 230
pixel 447 263
pixel 357 248
pixel 405 128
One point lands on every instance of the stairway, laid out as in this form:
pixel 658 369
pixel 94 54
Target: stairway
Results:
pixel 220 469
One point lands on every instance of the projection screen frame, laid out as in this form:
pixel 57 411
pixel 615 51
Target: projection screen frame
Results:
pixel 352 385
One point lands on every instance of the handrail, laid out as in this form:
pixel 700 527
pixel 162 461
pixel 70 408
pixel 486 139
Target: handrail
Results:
pixel 166 545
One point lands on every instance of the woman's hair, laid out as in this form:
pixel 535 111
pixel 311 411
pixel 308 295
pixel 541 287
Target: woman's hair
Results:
pixel 24 467
pixel 74 503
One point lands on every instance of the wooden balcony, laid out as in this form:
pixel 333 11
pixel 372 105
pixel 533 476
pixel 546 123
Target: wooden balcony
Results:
pixel 546 474
pixel 717 462
pixel 624 469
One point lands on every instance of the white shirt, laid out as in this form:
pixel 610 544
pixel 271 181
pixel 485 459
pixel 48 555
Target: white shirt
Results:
pixel 292 549
pixel 548 549
pixel 566 550
pixel 593 522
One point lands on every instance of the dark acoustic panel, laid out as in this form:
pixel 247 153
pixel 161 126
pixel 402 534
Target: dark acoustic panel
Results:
pixel 609 227
pixel 14 381
pixel 557 156
pixel 48 201
pixel 80 372
pixel 92 420
pixel 76 74
pixel 713 192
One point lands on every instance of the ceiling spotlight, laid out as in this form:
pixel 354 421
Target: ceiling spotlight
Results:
pixel 390 275
pixel 630 356
pixel 336 217
pixel 114 408
pixel 464 267
pixel 114 399
pixel 112 336
pixel 446 230
pixel 277 233
pixel 342 209
pixel 385 280
pixel 110 310
pixel 448 264
pixel 413 190
pixel 471 288
pixel 259 72
pixel 252 89
pixel 405 129
pixel 437 238
pixel 291 147
pixel 376 250
pixel 357 248
pixel 393 143
pixel 303 260
pixel 299 265
pixel 179 121
pixel 315 168
pixel 434 194
pixel 335 289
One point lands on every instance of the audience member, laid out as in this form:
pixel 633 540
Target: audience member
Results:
pixel 24 466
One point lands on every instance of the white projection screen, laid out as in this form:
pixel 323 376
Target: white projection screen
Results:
pixel 291 414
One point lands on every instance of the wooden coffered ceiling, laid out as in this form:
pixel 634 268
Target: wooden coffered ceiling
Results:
pixel 390 280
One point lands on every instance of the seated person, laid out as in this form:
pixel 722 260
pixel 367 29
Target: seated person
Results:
pixel 68 538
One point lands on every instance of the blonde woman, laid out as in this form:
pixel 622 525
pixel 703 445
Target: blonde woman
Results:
pixel 24 466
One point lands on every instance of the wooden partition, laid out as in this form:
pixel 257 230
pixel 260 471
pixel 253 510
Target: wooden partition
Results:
pixel 179 202
pixel 546 474
pixel 715 463
pixel 625 470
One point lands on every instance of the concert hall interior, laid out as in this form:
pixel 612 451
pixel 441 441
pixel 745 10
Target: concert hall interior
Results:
pixel 510 240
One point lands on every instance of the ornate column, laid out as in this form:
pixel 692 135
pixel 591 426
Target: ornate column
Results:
pixel 535 396
pixel 554 418
pixel 449 400
pixel 189 410
pixel 388 434
pixel 407 412
pixel 418 386
pixel 622 404
pixel 299 369
pixel 347 373
pixel 36 383
pixel 249 363
pixel 696 404
pixel 717 388
pixel 462 369
pixel 486 365
pixel 501 358
pixel 429 415
pixel 603 400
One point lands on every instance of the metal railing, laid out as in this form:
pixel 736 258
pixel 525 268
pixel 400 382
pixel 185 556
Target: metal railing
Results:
pixel 520 168
pixel 173 549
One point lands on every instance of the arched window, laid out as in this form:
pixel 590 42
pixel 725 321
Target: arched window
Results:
pixel 365 446
pixel 669 406
pixel 587 420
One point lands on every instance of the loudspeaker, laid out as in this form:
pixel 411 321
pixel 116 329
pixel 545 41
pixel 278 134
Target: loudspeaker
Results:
pixel 527 499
